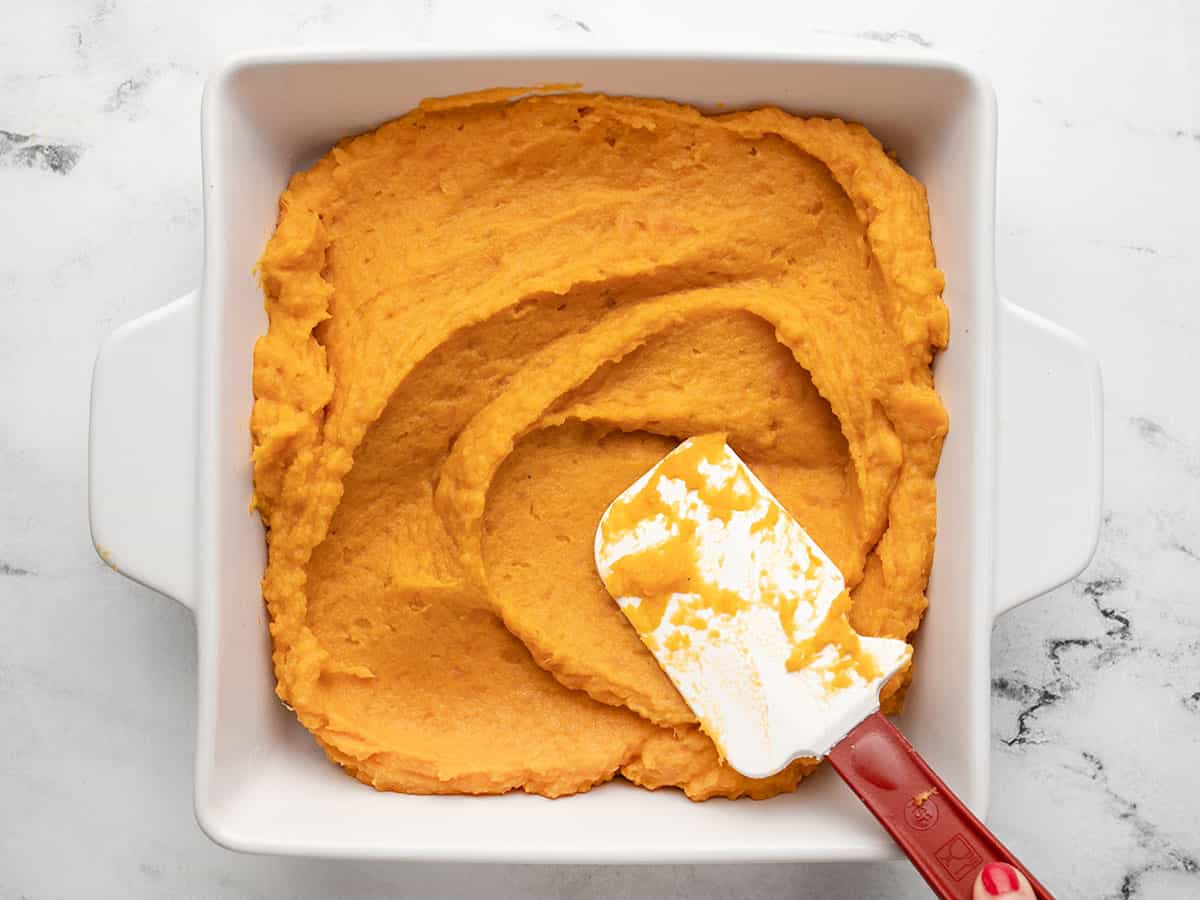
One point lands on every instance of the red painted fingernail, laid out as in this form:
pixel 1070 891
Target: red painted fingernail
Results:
pixel 1000 879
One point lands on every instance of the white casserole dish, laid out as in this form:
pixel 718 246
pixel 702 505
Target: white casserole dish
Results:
pixel 170 475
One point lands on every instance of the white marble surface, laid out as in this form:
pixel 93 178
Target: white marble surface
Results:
pixel 1097 686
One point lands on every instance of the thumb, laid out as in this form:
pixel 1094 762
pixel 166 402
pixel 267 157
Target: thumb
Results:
pixel 1001 880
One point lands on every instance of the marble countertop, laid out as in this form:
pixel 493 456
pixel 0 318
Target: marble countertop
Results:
pixel 1096 687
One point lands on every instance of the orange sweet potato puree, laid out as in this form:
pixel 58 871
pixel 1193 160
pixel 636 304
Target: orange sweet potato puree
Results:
pixel 487 319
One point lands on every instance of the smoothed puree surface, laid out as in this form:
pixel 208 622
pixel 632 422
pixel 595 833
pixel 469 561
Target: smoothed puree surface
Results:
pixel 487 319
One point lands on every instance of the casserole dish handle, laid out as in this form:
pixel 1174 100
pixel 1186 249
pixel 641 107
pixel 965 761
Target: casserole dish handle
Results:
pixel 141 449
pixel 1051 452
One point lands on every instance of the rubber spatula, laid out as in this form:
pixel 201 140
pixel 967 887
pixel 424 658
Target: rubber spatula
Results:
pixel 748 618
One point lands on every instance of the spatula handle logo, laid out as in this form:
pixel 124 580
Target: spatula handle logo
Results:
pixel 921 815
pixel 958 857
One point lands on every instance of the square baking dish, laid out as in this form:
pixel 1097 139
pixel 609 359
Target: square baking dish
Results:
pixel 170 474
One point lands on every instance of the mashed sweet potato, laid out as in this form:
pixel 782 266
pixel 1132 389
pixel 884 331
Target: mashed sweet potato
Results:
pixel 487 318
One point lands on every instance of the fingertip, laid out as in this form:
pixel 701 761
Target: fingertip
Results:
pixel 998 879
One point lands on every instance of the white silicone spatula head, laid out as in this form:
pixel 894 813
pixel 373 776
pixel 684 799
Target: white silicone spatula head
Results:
pixel 741 608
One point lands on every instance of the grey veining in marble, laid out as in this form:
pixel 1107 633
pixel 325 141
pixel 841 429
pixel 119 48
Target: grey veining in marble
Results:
pixel 1096 687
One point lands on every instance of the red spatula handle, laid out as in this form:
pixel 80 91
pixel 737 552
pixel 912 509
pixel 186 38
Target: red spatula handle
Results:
pixel 946 843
